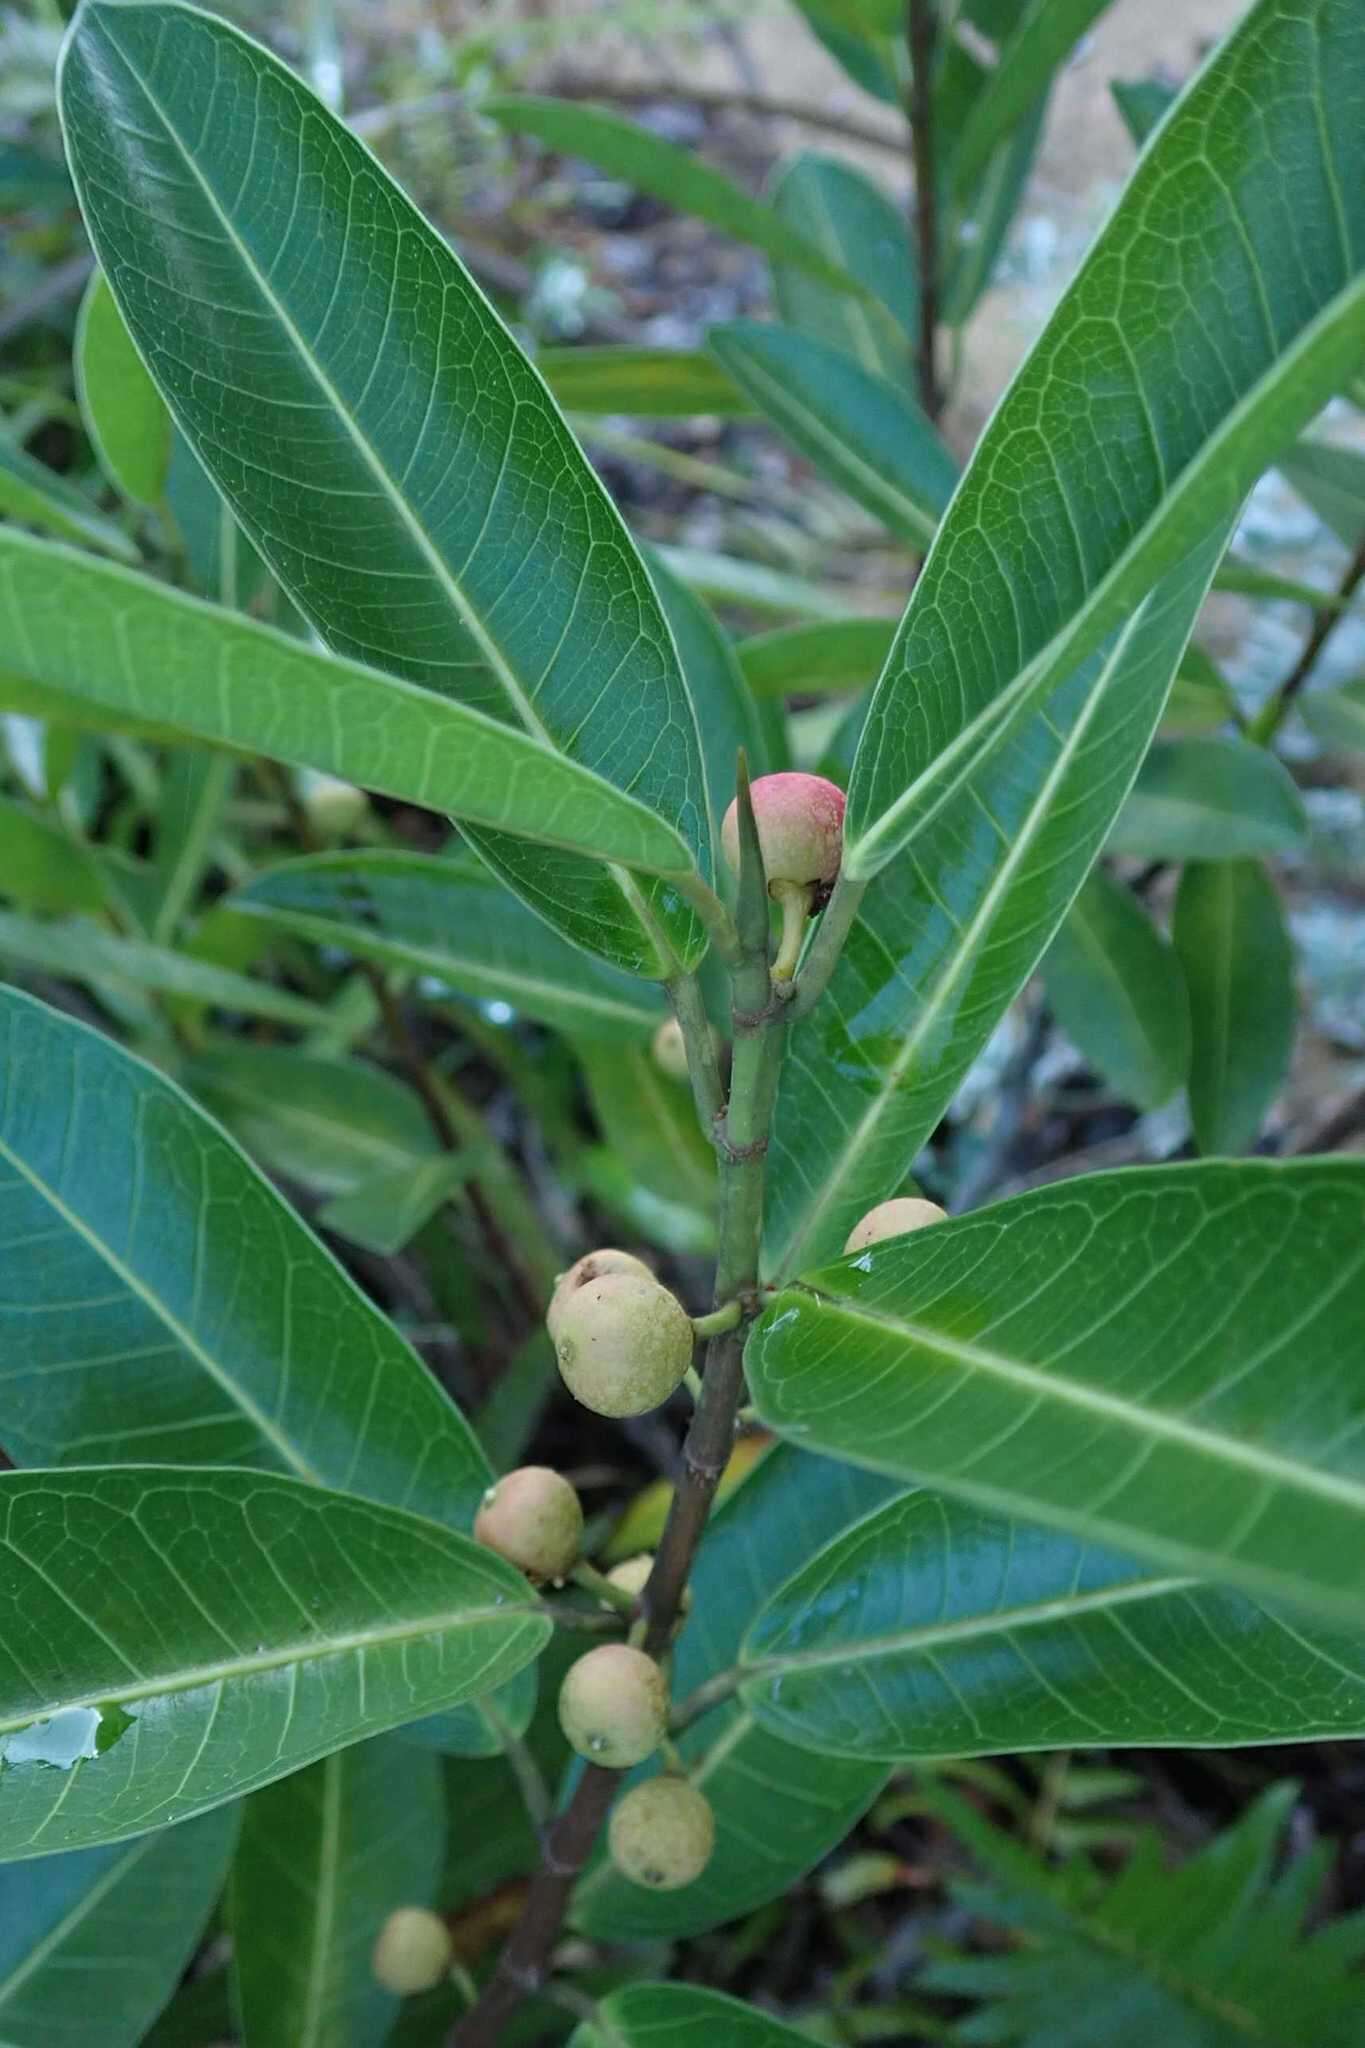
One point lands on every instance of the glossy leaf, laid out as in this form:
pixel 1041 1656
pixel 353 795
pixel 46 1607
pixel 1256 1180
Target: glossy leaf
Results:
pixel 1230 934
pixel 194 794
pixel 332 1123
pixel 981 227
pixel 1135 426
pixel 839 655
pixel 1245 581
pixel 82 952
pixel 632 153
pixel 451 920
pixel 1117 990
pixel 1336 717
pixel 1044 35
pixel 866 59
pixel 726 713
pixel 35 494
pixel 324 1857
pixel 199 1320
pixel 1142 102
pixel 1201 697
pixel 651 1122
pixel 948 934
pixel 178 1638
pixel 105 1931
pixel 99 632
pixel 932 1628
pixel 858 429
pixel 681 2016
pixel 125 417
pixel 1210 799
pixel 651 383
pixel 409 518
pixel 1111 1355
pixel 774 1816
pixel 729 579
pixel 41 866
pixel 839 209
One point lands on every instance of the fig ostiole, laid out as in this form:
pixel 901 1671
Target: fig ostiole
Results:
pixel 896 1218
pixel 623 1343
pixel 592 1266
pixel 413 1951
pixel 533 1518
pixel 661 1834
pixel 613 1706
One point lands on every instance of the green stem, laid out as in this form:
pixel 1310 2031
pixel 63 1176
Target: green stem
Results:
pixel 718 1321
pixel 822 955
pixel 700 1701
pixel 600 1586
pixel 702 1066
pixel 524 1768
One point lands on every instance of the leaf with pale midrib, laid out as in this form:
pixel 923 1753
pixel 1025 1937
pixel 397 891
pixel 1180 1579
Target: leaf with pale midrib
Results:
pixel 376 430
pixel 179 1637
pixel 1111 1355
pixel 932 1628
pixel 1220 307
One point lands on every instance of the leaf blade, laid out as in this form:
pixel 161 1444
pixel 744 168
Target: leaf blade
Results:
pixel 1230 935
pixel 1118 992
pixel 1089 1398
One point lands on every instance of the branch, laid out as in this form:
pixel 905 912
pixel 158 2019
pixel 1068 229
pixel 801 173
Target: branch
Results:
pixel 723 100
pixel 1325 621
pixel 921 31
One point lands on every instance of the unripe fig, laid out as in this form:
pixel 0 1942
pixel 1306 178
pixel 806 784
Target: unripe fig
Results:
pixel 800 821
pixel 662 1833
pixel 613 1706
pixel 591 1266
pixel 413 1952
pixel 623 1344
pixel 669 1050
pixel 892 1219
pixel 533 1519
pixel 633 1576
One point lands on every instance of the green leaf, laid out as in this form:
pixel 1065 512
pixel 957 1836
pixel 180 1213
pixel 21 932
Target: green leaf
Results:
pixel 1336 717
pixel 452 920
pixel 1142 103
pixel 32 492
pixel 1201 698
pixel 1230 934
pixel 1210 799
pixel 948 934
pixel 842 654
pixel 1244 581
pixel 324 1858
pixel 129 426
pixel 1118 992
pixel 81 951
pixel 774 1817
pixel 194 795
pixel 1037 44
pixel 1222 304
pixel 932 1628
pixel 632 153
pixel 979 231
pixel 332 1123
pixel 728 579
pixel 99 632
pixel 866 59
pixel 1110 1355
pixel 856 427
pixel 1332 481
pixel 41 866
pixel 651 1123
pixel 726 713
pixel 676 2016
pixel 436 517
pixel 197 1634
pixel 1204 1956
pixel 652 383
pixel 386 1213
pixel 180 1309
pixel 838 209
pixel 105 1931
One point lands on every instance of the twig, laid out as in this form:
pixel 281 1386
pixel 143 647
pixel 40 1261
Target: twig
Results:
pixel 724 100
pixel 1324 622
pixel 1347 1120
pixel 921 29
pixel 758 1023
